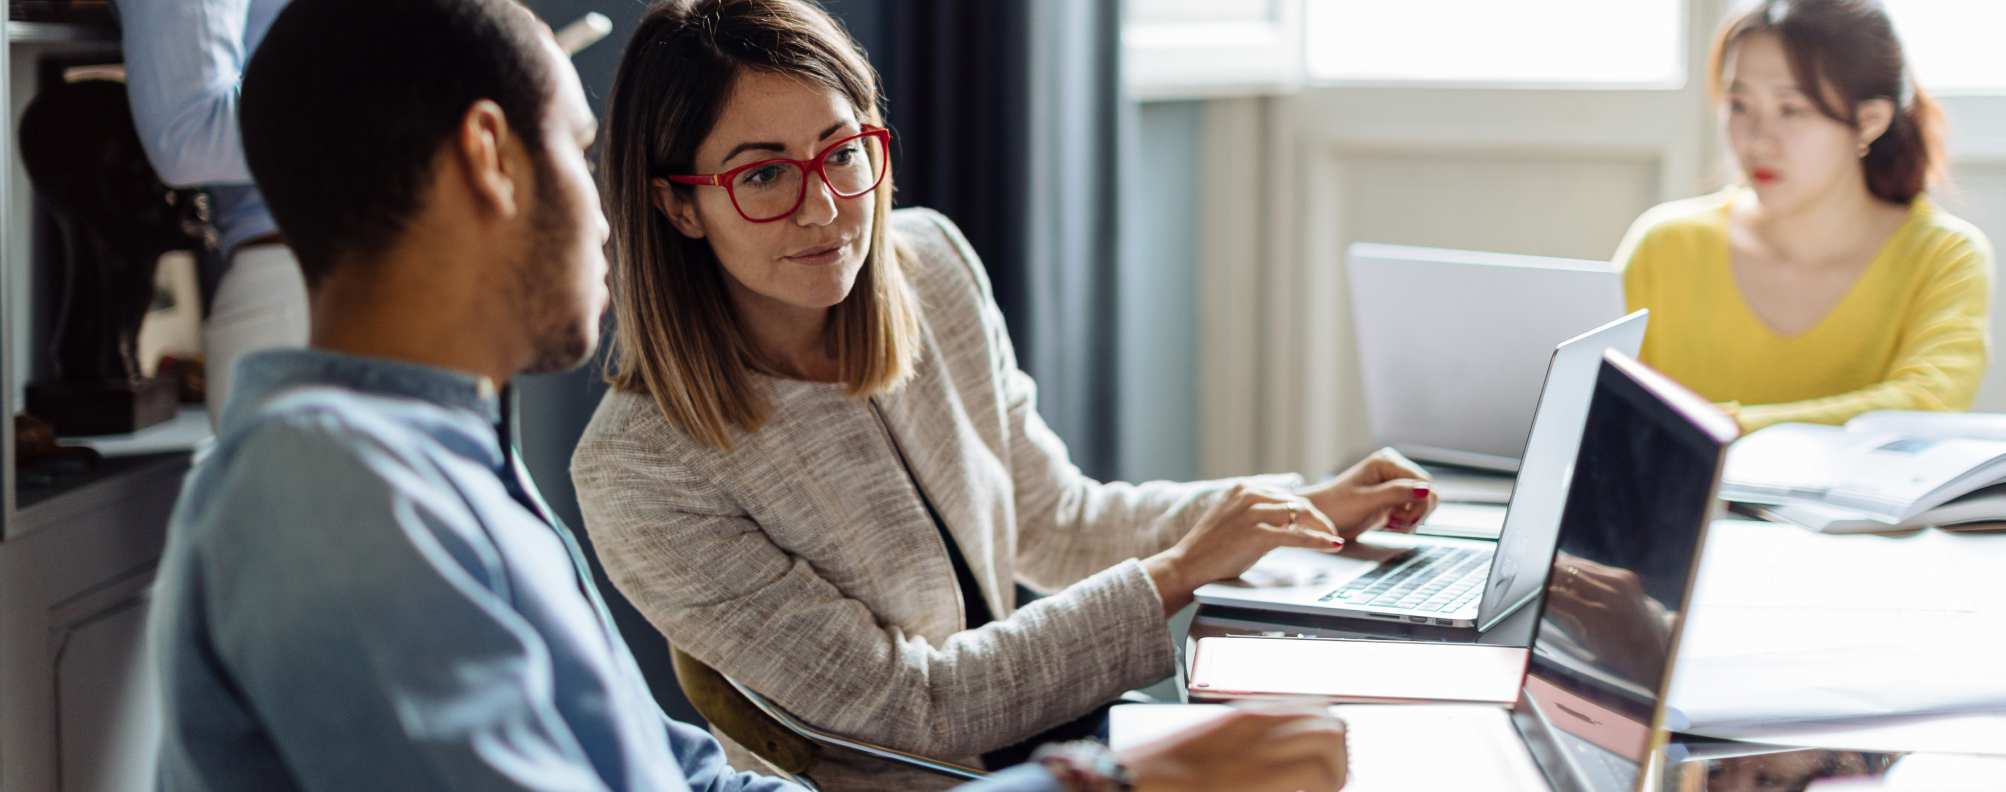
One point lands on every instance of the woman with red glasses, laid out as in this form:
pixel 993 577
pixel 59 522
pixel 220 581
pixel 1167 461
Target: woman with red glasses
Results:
pixel 820 471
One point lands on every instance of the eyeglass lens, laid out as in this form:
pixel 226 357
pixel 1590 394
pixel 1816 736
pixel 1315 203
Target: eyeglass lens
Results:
pixel 773 189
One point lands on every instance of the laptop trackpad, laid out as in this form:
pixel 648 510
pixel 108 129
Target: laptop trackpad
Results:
pixel 1290 567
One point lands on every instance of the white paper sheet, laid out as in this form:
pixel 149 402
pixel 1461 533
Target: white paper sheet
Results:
pixel 1754 658
pixel 1966 733
pixel 1130 725
pixel 1753 564
pixel 1721 692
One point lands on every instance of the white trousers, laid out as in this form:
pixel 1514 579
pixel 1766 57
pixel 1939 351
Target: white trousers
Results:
pixel 260 304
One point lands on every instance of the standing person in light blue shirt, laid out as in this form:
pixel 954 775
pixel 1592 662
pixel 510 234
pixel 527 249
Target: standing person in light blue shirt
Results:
pixel 362 589
pixel 184 60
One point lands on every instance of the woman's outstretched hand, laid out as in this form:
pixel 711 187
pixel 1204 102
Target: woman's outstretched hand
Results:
pixel 1270 748
pixel 1240 527
pixel 1384 490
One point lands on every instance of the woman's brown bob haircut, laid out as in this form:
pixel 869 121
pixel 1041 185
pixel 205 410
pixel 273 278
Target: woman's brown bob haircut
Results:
pixel 1844 52
pixel 679 338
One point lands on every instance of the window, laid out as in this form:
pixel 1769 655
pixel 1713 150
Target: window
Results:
pixel 1543 43
pixel 1173 12
pixel 1952 45
pixel 1182 49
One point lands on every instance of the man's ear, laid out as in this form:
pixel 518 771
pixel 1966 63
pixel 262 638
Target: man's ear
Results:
pixel 1875 115
pixel 482 147
pixel 681 214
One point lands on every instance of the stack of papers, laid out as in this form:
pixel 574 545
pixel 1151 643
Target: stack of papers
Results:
pixel 1792 632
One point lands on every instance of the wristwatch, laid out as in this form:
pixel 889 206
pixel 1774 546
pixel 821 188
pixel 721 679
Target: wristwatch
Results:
pixel 1084 766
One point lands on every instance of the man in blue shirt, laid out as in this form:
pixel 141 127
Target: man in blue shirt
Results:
pixel 183 62
pixel 362 589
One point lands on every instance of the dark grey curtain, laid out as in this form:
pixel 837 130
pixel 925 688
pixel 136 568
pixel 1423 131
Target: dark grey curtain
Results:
pixel 1076 159
pixel 1008 119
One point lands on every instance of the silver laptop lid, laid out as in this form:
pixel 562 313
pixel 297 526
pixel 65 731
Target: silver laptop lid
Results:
pixel 1644 491
pixel 1451 343
pixel 1532 519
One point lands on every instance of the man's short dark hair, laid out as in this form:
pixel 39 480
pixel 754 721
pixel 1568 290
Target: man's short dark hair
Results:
pixel 346 104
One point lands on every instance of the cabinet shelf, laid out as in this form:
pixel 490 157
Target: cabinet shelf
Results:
pixel 28 498
pixel 19 32
pixel 115 480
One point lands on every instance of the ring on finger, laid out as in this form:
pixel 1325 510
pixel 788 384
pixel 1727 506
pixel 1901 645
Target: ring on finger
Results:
pixel 1292 514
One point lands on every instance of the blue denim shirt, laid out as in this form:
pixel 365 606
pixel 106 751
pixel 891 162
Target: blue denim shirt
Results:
pixel 362 590
pixel 184 63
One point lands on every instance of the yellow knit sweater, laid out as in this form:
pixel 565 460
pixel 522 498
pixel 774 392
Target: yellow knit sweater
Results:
pixel 1910 335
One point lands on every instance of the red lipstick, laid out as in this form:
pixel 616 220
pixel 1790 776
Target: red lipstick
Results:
pixel 1763 175
pixel 820 255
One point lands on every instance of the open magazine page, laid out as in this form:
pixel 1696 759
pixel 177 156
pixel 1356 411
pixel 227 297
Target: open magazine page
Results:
pixel 1920 423
pixel 1887 475
pixel 1982 509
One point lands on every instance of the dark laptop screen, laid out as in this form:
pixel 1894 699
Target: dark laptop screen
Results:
pixel 1636 510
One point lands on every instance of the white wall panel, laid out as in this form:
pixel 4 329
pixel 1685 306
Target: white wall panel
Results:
pixel 1978 195
pixel 1534 203
pixel 1530 202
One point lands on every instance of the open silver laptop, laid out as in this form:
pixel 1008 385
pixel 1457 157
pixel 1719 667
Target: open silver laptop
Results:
pixel 1591 708
pixel 1439 580
pixel 1450 344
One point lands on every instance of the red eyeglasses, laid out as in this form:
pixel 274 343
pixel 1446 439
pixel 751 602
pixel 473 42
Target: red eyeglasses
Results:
pixel 770 190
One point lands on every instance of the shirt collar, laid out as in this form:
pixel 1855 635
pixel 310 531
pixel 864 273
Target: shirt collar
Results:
pixel 262 374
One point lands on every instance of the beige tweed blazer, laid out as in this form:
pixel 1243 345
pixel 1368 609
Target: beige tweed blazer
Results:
pixel 803 564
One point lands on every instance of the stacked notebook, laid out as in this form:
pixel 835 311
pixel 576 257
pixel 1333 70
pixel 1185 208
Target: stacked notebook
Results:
pixel 1883 471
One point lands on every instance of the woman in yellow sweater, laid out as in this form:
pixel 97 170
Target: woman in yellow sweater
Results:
pixel 1828 285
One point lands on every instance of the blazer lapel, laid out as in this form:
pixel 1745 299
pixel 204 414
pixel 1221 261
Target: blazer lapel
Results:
pixel 967 483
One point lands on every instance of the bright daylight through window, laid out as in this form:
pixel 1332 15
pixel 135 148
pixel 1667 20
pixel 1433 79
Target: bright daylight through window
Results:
pixel 1585 43
pixel 1953 45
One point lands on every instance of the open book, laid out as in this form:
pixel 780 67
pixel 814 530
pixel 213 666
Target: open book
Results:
pixel 1886 470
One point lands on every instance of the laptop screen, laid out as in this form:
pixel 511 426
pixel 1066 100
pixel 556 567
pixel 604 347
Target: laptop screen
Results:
pixel 1486 323
pixel 1525 546
pixel 1636 513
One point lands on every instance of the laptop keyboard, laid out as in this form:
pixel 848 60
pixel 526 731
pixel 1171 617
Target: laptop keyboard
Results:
pixel 1430 579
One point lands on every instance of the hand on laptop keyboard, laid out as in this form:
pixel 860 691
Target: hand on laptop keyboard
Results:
pixel 1384 490
pixel 1240 527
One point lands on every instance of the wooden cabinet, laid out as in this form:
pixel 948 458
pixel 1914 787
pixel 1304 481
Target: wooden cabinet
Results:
pixel 77 707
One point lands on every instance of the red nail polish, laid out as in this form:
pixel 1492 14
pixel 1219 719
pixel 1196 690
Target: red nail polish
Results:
pixel 1337 543
pixel 1421 493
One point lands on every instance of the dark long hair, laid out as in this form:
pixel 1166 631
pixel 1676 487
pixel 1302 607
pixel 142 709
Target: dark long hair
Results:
pixel 1844 52
pixel 680 339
